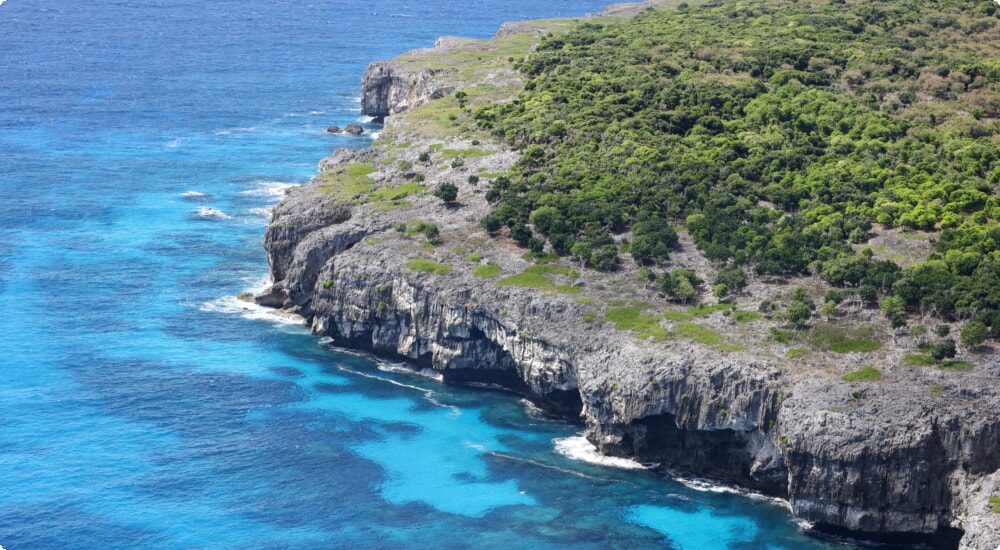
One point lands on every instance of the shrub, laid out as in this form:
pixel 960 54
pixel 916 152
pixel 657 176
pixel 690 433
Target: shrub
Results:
pixel 491 223
pixel 447 192
pixel 943 350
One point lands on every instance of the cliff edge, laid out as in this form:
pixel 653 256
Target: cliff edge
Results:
pixel 372 259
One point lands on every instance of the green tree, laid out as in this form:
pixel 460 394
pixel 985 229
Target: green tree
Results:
pixel 829 309
pixel 447 192
pixel 892 305
pixel 491 223
pixel 943 351
pixel 521 234
pixel 798 313
pixel 974 333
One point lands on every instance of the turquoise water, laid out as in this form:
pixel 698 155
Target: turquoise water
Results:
pixel 142 408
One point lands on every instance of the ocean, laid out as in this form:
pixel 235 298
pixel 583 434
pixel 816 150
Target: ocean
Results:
pixel 142 144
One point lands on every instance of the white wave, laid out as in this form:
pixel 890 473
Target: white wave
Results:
pixel 709 486
pixel 363 119
pixel 257 284
pixel 578 448
pixel 207 213
pixel 231 130
pixel 248 310
pixel 404 369
pixel 374 135
pixel 261 212
pixel 271 189
pixel 175 143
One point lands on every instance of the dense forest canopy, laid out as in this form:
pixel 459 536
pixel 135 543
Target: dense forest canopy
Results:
pixel 778 133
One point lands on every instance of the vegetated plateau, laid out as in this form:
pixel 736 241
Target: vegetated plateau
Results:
pixel 757 241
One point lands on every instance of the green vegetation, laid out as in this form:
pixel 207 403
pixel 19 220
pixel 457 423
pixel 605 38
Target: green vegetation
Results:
pixel 849 345
pixel 539 257
pixel 746 316
pixel 678 316
pixel 448 154
pixel 866 373
pixel 728 347
pixel 420 264
pixel 584 300
pixel 783 336
pixel 703 310
pixel 697 333
pixel 995 501
pixel 486 271
pixel 447 192
pixel 629 318
pixel 797 353
pixel 475 257
pixel 535 277
pixel 778 135
pixel 918 359
pixel 956 365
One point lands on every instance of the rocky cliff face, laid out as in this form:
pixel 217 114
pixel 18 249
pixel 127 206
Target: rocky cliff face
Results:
pixel 390 88
pixel 887 460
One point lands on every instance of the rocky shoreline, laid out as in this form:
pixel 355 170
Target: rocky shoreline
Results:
pixel 890 460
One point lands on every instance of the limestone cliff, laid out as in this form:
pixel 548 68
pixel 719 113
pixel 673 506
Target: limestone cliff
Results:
pixel 913 457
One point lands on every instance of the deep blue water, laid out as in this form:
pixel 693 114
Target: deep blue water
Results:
pixel 139 408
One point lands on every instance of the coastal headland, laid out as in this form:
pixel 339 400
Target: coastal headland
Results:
pixel 835 415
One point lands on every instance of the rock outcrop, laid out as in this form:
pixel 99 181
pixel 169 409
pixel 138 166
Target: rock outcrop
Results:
pixel 890 460
pixel 389 88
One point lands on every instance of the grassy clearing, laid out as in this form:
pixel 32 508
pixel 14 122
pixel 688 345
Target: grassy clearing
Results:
pixel 728 347
pixel 917 359
pixel 537 280
pixel 553 270
pixel 678 316
pixel 797 353
pixel 584 300
pixel 486 271
pixel 703 310
pixel 448 154
pixel 698 333
pixel 420 264
pixel 396 193
pixel 631 318
pixel 956 365
pixel 475 258
pixel 351 184
pixel 746 316
pixel 539 257
pixel 348 183
pixel 849 345
pixel 867 373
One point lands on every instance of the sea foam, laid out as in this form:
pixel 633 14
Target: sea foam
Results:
pixel 578 448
